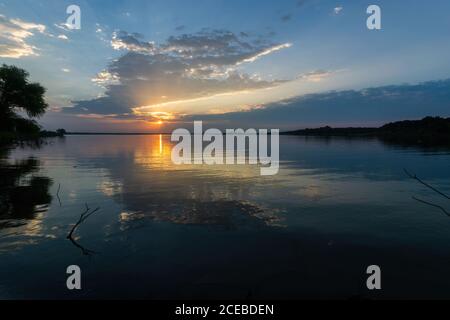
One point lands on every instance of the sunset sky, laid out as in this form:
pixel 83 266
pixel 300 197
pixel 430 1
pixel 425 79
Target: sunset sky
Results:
pixel 152 66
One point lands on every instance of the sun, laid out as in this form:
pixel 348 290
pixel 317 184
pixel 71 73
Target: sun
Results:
pixel 156 123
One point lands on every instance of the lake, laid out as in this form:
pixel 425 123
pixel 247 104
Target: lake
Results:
pixel 164 231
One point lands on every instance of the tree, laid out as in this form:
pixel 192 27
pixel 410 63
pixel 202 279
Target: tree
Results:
pixel 61 132
pixel 18 94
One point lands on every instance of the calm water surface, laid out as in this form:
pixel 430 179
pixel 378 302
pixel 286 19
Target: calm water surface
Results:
pixel 165 231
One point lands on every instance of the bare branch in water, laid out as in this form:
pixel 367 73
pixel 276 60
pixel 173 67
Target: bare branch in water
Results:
pixel 83 217
pixel 414 176
pixel 85 251
pixel 57 194
pixel 432 205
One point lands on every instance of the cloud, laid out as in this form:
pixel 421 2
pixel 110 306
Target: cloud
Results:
pixel 63 26
pixel 63 37
pixel 316 76
pixel 372 106
pixel 124 41
pixel 13 36
pixel 188 66
pixel 338 10
pixel 286 18
pixel 265 52
pixel 104 78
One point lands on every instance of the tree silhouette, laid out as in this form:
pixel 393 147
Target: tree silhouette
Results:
pixel 17 94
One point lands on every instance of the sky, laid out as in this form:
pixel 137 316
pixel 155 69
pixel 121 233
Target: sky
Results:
pixel 153 66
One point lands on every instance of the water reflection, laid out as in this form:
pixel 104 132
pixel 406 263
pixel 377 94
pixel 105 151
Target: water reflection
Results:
pixel 24 195
pixel 152 187
pixel 336 206
pixel 228 214
pixel 24 201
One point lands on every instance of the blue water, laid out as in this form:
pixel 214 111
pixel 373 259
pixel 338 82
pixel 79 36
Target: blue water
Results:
pixel 164 231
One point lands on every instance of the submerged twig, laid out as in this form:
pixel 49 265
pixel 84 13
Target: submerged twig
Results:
pixel 83 217
pixel 415 177
pixel 57 194
pixel 85 251
pixel 432 204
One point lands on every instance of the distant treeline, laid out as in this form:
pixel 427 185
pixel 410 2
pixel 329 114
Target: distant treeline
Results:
pixel 9 137
pixel 428 131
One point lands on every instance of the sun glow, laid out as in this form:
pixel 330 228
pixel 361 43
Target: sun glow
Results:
pixel 157 117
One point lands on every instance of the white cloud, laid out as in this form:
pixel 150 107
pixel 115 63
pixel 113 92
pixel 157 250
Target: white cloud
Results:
pixel 338 10
pixel 105 78
pixel 63 26
pixel 28 25
pixel 267 52
pixel 63 37
pixel 316 76
pixel 13 36
pixel 130 42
